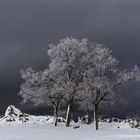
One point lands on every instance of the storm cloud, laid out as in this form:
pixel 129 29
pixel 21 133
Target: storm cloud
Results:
pixel 27 27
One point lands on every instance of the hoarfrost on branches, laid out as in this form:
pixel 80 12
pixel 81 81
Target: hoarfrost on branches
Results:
pixel 79 71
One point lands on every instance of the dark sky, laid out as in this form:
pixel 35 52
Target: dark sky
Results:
pixel 28 26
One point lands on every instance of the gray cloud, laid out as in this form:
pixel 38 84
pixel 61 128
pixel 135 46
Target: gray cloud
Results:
pixel 28 26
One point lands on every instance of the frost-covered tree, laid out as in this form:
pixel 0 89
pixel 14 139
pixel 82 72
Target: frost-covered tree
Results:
pixel 30 89
pixel 102 77
pixel 66 69
pixel 38 88
pixel 55 97
pixel 77 71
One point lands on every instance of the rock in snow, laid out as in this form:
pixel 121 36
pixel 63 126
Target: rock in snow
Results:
pixel 13 114
pixel 12 110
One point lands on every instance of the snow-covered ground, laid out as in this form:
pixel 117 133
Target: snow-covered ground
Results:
pixel 16 125
pixel 107 131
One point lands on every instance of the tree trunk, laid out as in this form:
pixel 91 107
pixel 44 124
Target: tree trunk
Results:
pixel 96 119
pixel 68 117
pixel 55 114
pixel 89 117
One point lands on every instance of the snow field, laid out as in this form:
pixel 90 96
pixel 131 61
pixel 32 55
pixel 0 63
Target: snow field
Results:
pixel 85 132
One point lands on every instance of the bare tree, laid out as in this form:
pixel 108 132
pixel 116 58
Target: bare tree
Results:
pixel 102 77
pixel 39 89
pixel 66 67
